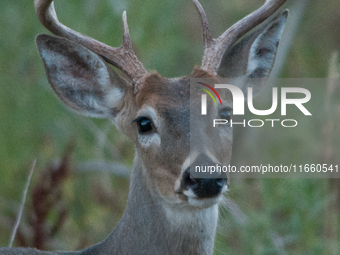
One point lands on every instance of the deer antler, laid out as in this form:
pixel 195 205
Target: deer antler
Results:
pixel 123 57
pixel 214 49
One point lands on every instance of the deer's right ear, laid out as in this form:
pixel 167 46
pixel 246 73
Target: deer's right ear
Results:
pixel 254 55
pixel 80 78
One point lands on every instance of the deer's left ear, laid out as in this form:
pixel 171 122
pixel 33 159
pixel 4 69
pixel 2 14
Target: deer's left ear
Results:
pixel 254 55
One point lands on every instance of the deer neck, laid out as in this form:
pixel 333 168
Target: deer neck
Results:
pixel 149 226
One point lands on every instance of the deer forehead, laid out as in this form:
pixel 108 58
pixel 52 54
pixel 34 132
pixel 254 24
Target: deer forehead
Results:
pixel 164 93
pixel 158 90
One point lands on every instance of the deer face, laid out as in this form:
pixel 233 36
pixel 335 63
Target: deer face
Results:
pixel 163 143
pixel 155 111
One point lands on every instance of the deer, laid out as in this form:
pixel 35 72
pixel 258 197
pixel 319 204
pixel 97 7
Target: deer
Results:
pixel 168 210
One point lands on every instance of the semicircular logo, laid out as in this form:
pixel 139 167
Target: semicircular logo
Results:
pixel 209 93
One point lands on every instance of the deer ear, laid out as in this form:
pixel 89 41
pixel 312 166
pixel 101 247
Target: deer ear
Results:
pixel 80 78
pixel 254 55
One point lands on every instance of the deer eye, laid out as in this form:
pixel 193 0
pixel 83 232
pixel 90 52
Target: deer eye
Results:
pixel 226 114
pixel 144 125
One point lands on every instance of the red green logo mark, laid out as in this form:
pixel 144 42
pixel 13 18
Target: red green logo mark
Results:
pixel 209 93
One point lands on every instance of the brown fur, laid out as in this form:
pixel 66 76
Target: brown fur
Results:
pixel 199 73
pixel 154 84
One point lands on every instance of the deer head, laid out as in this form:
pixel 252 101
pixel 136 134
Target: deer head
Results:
pixel 152 110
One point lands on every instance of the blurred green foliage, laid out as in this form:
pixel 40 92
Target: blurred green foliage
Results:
pixel 167 37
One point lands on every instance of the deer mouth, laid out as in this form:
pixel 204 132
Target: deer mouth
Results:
pixel 204 202
pixel 202 192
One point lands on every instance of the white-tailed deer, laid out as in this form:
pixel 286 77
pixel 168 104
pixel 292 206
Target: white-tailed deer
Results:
pixel 167 212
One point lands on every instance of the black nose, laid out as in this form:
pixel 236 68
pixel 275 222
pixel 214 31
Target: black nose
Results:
pixel 203 187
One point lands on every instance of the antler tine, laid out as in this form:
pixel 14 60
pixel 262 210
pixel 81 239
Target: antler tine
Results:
pixel 207 38
pixel 122 57
pixel 213 55
pixel 126 33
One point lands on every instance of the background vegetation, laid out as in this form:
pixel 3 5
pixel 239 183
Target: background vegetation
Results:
pixel 274 216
